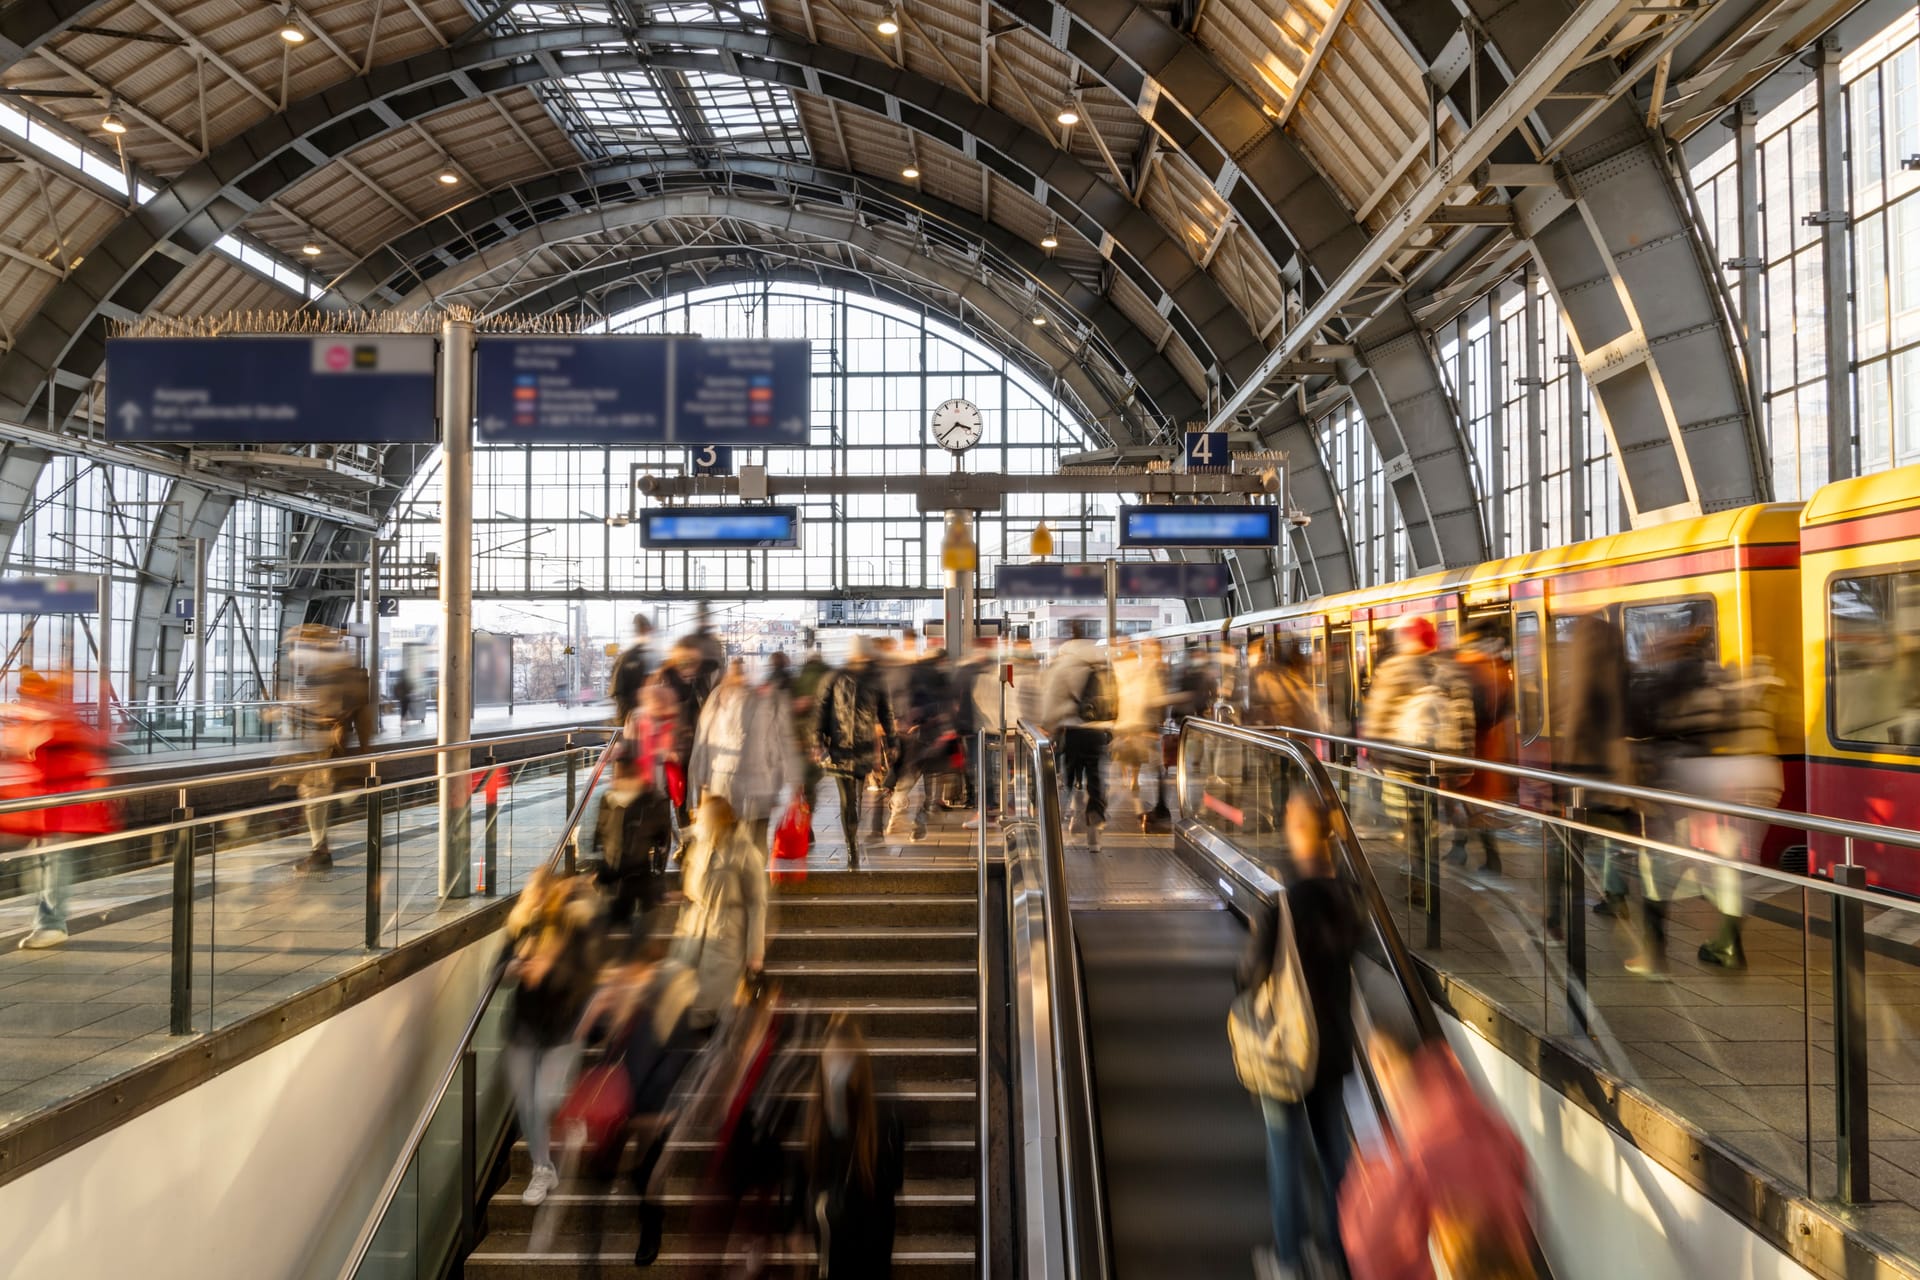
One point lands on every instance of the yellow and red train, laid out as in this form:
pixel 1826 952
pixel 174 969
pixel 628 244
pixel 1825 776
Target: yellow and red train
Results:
pixel 1828 592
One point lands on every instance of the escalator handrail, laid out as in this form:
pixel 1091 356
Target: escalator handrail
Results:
pixel 1083 1194
pixel 417 1134
pixel 1353 863
pixel 1351 859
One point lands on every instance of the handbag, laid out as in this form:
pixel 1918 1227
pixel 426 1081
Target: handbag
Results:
pixel 676 783
pixel 600 1104
pixel 1276 1045
pixel 794 834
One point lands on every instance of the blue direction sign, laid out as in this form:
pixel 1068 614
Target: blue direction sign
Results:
pixel 73 593
pixel 634 390
pixel 1208 451
pixel 1173 526
pixel 364 389
pixel 183 609
pixel 1135 580
pixel 712 460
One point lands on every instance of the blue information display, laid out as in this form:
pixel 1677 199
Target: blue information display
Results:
pixel 73 593
pixel 1169 526
pixel 706 528
pixel 362 389
pixel 1136 580
pixel 633 390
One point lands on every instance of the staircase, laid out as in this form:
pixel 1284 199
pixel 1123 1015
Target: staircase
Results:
pixel 898 949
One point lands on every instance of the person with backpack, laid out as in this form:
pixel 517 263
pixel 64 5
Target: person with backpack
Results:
pixel 925 716
pixel 632 830
pixel 631 670
pixel 1293 1035
pixel 1418 700
pixel 852 721
pixel 1078 712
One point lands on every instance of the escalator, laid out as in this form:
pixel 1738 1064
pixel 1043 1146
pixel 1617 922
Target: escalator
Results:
pixel 1152 1156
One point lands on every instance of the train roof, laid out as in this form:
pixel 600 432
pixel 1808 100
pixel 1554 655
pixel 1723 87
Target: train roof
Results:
pixel 1774 522
pixel 1864 495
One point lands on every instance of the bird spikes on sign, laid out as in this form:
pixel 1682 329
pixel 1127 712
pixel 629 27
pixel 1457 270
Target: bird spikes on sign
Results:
pixel 342 323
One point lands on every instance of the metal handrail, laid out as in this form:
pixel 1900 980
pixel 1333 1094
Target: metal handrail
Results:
pixel 179 786
pixel 982 1000
pixel 390 1188
pixel 1439 761
pixel 1083 1197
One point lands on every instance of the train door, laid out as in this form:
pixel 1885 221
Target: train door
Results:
pixel 1533 741
pixel 1340 666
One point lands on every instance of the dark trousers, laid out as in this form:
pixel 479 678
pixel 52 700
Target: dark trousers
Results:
pixel 1082 753
pixel 852 787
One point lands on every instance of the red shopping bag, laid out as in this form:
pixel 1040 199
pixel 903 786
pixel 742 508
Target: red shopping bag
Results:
pixel 794 836
pixel 676 783
pixel 600 1103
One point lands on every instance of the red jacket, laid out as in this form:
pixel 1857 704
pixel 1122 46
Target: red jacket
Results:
pixel 57 754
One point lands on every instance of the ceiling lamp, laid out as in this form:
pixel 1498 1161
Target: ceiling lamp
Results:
pixel 112 122
pixel 310 249
pixel 910 173
pixel 890 24
pixel 1039 320
pixel 1049 241
pixel 1068 116
pixel 291 31
pixel 448 178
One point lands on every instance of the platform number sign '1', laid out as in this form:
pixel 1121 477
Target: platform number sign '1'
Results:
pixel 712 460
pixel 1208 451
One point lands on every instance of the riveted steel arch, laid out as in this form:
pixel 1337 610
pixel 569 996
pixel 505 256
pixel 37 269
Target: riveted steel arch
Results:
pixel 126 272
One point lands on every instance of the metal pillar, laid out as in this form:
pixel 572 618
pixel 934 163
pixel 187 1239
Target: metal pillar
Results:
pixel 1535 425
pixel 1743 120
pixel 1851 1118
pixel 1113 605
pixel 199 633
pixel 1576 447
pixel 1833 220
pixel 103 651
pixel 456 606
pixel 1501 535
pixel 373 626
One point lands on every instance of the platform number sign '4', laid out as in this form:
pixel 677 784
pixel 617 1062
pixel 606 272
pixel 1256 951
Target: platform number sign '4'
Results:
pixel 1207 451
pixel 712 460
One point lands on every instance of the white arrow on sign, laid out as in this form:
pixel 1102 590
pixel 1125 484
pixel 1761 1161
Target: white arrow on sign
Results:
pixel 130 415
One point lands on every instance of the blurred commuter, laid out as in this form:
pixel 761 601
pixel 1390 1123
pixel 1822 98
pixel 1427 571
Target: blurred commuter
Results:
pixel 1197 685
pixel 1455 1185
pixel 1483 665
pixel 854 722
pixel 982 697
pixel 925 720
pixel 332 714
pixel 722 930
pixel 743 750
pixel 1279 690
pixel 404 699
pixel 631 670
pixel 1307 1141
pixel 1420 700
pixel 1592 744
pixel 854 1161
pixel 632 831
pixel 711 653
pixel 1078 713
pixel 51 751
pixel 551 961
pixel 679 699
pixel 1028 678
pixel 805 703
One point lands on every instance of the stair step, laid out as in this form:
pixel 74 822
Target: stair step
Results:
pixel 863 910
pixel 925 1206
pixel 940 1153
pixel 877 881
pixel 789 944
pixel 873 978
pixel 505 1256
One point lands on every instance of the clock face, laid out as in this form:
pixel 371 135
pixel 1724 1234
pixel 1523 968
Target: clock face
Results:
pixel 956 425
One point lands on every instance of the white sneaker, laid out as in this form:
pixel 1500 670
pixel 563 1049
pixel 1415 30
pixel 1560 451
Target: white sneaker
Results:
pixel 545 1178
pixel 42 938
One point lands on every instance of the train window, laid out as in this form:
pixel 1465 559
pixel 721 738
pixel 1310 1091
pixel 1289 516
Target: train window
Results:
pixel 1873 659
pixel 1653 629
pixel 1529 687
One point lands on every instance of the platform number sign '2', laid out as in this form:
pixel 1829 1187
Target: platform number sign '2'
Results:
pixel 1208 451
pixel 712 460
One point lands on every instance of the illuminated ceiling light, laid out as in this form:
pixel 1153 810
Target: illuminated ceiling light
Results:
pixel 75 264
pixel 292 32
pixel 1039 320
pixel 910 173
pixel 1068 116
pixel 310 249
pixel 448 178
pixel 1049 241
pixel 112 122
pixel 889 25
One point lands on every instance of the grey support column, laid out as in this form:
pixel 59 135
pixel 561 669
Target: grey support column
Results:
pixel 1744 120
pixel 1836 255
pixel 373 625
pixel 1576 447
pixel 456 606
pixel 1494 391
pixel 200 546
pixel 1536 426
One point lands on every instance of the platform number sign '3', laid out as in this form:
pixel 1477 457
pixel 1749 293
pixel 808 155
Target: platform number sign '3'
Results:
pixel 712 460
pixel 1208 451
